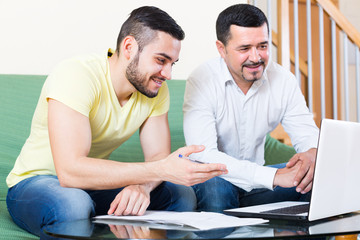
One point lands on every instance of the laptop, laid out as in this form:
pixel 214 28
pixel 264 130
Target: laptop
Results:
pixel 335 188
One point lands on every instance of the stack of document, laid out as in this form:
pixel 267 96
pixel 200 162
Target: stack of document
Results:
pixel 192 220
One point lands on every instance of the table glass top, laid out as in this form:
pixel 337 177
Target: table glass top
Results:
pixel 88 229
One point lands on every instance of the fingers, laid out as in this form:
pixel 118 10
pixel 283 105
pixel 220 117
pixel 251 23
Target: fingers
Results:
pixel 118 205
pixel 203 172
pixel 209 167
pixel 180 170
pixel 130 201
pixel 307 188
pixel 203 177
pixel 119 231
pixel 304 176
pixel 128 231
pixel 141 232
pixel 292 162
pixel 143 208
pixel 113 206
pixel 191 149
pixel 132 204
pixel 304 168
pixel 200 175
pixel 306 182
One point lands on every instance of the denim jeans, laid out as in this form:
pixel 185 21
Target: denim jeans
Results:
pixel 217 194
pixel 39 201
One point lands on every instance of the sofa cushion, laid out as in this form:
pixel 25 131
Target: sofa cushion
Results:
pixel 18 99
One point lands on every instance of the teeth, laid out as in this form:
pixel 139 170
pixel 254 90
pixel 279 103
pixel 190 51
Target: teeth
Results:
pixel 157 81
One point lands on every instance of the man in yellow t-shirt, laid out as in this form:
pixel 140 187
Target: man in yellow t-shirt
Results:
pixel 88 107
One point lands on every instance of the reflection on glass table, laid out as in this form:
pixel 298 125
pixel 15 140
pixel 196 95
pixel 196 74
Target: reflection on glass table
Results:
pixel 87 229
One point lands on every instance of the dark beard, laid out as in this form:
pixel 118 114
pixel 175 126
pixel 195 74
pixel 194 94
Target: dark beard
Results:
pixel 250 80
pixel 261 62
pixel 137 79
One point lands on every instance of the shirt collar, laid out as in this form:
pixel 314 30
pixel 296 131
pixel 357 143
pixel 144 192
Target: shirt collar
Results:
pixel 225 72
pixel 110 52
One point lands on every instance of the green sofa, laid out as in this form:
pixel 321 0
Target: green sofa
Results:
pixel 18 98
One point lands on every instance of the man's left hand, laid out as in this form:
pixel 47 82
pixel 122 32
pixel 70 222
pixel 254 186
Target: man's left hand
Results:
pixel 304 177
pixel 132 200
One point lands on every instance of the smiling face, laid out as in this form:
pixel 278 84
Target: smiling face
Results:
pixel 246 54
pixel 153 65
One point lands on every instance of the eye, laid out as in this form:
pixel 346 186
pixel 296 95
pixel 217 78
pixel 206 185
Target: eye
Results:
pixel 263 46
pixel 161 60
pixel 243 49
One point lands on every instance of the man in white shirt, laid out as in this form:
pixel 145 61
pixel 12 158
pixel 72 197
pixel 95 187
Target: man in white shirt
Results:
pixel 232 103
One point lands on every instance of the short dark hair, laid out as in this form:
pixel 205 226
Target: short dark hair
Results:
pixel 143 23
pixel 243 15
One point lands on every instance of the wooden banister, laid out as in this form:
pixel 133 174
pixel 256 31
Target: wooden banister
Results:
pixel 281 41
pixel 340 20
pixel 331 9
pixel 283 33
pixel 302 62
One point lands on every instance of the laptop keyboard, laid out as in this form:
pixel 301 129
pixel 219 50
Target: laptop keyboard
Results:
pixel 303 208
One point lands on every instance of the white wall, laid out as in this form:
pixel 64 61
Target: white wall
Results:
pixel 35 35
pixel 351 9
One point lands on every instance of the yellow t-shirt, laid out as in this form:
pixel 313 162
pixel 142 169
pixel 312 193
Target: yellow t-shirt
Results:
pixel 84 84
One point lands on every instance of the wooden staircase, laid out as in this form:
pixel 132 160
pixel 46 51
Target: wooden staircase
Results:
pixel 323 84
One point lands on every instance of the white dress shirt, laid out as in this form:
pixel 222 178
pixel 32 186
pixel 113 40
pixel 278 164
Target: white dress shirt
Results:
pixel 233 126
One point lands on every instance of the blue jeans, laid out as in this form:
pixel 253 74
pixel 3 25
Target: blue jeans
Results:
pixel 39 201
pixel 217 194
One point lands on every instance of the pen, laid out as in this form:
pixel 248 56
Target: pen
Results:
pixel 193 160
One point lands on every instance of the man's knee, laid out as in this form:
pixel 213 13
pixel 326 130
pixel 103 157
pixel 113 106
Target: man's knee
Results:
pixel 173 197
pixel 39 201
pixel 74 204
pixel 183 198
pixel 216 195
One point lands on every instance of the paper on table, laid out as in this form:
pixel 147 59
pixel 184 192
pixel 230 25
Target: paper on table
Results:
pixel 198 220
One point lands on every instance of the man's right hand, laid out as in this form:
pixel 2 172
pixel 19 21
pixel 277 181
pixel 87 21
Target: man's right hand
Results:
pixel 185 172
pixel 284 177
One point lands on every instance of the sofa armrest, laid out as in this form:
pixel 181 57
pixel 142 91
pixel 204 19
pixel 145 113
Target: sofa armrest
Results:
pixel 277 152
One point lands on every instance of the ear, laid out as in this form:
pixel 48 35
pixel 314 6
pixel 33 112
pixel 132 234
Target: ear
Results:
pixel 221 48
pixel 129 47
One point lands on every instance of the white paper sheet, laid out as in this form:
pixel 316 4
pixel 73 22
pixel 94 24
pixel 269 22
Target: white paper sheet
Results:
pixel 197 220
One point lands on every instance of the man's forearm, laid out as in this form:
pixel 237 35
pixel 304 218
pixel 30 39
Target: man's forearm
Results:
pixel 100 174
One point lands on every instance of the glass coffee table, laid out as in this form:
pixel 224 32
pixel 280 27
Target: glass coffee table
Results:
pixel 87 229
